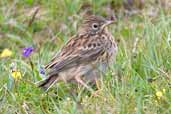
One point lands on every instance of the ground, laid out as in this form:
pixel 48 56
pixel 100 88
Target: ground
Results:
pixel 139 81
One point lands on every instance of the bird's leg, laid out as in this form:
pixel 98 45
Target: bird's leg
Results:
pixel 97 84
pixel 95 93
pixel 79 80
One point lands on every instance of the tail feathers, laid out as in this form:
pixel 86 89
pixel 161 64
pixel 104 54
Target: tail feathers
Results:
pixel 48 82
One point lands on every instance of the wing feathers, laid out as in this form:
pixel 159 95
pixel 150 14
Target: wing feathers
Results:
pixel 78 54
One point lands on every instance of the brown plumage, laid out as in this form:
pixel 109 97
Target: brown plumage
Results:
pixel 85 56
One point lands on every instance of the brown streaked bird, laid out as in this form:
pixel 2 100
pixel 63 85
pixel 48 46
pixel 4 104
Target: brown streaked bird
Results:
pixel 85 56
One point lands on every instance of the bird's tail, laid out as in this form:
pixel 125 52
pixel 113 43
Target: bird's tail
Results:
pixel 48 82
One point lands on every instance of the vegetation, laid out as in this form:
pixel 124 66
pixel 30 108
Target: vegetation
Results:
pixel 139 81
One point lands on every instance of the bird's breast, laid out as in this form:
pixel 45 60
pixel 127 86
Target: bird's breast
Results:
pixel 110 48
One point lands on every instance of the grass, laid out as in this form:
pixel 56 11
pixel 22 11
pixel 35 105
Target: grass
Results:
pixel 141 70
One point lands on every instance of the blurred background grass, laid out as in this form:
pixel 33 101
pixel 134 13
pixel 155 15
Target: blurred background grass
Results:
pixel 139 82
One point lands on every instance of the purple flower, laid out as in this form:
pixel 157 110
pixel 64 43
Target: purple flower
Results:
pixel 27 51
pixel 42 71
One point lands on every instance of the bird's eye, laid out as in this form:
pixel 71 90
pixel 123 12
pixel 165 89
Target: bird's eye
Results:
pixel 95 26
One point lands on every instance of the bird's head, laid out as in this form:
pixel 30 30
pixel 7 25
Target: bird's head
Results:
pixel 94 24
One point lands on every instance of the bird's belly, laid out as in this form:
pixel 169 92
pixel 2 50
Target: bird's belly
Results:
pixel 88 72
pixel 67 74
pixel 95 73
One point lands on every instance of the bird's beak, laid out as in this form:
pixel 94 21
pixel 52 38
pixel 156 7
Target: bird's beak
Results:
pixel 108 22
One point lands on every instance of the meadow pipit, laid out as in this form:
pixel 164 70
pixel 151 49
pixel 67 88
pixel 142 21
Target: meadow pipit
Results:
pixel 85 56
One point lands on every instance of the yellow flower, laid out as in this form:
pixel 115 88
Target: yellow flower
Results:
pixel 16 75
pixel 6 53
pixel 164 90
pixel 159 94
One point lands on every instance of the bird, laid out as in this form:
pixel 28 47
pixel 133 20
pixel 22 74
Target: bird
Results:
pixel 85 57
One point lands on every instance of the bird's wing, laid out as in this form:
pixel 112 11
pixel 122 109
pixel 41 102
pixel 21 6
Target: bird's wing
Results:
pixel 76 51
